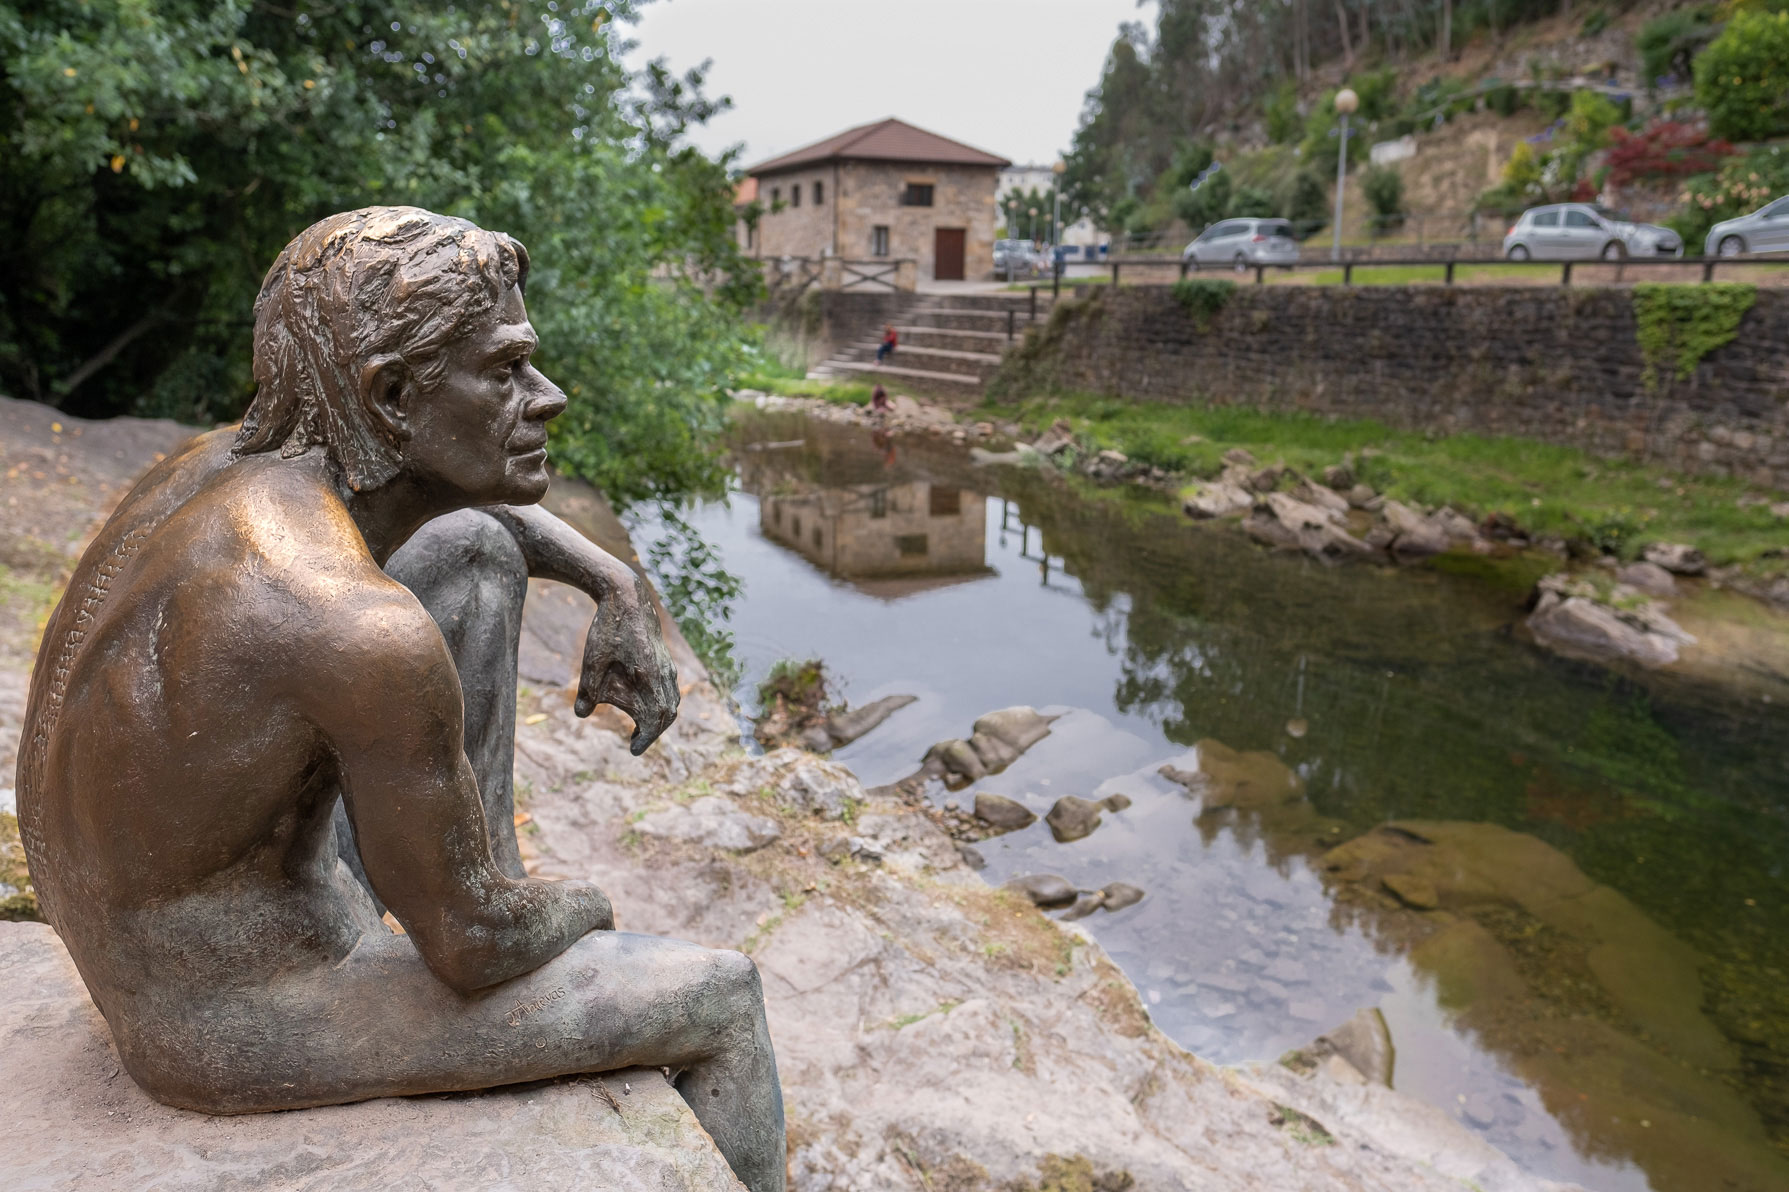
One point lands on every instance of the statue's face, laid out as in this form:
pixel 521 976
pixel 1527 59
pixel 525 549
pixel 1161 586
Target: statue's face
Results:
pixel 482 432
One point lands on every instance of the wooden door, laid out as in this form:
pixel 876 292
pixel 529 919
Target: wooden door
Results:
pixel 947 253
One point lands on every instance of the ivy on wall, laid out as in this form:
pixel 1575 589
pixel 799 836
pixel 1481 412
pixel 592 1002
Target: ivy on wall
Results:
pixel 1677 325
pixel 1203 297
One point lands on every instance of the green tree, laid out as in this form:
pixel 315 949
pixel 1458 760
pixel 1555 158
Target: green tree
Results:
pixel 1742 78
pixel 1307 201
pixel 160 152
pixel 1384 191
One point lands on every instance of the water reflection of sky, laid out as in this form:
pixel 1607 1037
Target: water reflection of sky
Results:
pixel 1239 953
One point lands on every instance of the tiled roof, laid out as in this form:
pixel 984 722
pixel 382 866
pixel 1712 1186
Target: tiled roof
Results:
pixel 885 140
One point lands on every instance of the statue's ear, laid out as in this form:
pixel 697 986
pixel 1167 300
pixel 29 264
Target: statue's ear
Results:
pixel 385 391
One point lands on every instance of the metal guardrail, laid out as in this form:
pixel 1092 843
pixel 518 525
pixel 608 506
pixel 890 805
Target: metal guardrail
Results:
pixel 1446 265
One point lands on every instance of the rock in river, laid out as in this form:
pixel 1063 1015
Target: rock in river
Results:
pixel 1044 889
pixel 1120 895
pixel 1006 814
pixel 846 727
pixel 1072 818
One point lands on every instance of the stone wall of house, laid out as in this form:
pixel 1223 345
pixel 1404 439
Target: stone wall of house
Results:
pixel 798 231
pixel 1556 364
pixel 858 196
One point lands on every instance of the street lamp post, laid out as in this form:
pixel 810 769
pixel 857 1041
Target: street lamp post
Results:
pixel 1056 218
pixel 1034 225
pixel 1346 103
pixel 1012 217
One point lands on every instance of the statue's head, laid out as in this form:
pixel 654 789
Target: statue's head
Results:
pixel 396 340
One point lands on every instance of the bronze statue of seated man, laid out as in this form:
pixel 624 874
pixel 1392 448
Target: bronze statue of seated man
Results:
pixel 323 608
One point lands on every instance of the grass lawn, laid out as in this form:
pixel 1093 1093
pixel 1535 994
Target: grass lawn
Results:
pixel 1618 505
pixel 772 376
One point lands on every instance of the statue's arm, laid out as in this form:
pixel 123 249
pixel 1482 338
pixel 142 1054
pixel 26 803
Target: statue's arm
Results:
pixel 625 660
pixel 388 700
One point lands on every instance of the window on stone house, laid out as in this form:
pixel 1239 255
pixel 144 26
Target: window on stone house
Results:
pixel 795 195
pixel 879 503
pixel 910 545
pixel 819 193
pixel 776 196
pixel 917 194
pixel 944 502
pixel 819 541
pixel 879 240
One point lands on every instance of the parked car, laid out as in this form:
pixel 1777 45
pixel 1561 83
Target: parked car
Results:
pixel 1017 258
pixel 1242 244
pixel 1585 232
pixel 1764 230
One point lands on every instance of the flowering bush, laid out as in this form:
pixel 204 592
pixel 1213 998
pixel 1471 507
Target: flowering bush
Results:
pixel 1664 149
pixel 1742 78
pixel 1742 185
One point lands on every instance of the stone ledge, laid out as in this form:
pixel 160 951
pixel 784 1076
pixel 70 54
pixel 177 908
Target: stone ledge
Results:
pixel 76 1120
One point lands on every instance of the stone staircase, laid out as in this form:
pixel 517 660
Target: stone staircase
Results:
pixel 950 344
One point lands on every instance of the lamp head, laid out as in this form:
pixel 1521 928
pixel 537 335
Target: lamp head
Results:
pixel 1347 103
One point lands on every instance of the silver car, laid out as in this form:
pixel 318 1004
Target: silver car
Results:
pixel 1585 232
pixel 1242 244
pixel 1764 230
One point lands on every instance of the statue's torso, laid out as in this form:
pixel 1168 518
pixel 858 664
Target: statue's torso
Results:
pixel 175 803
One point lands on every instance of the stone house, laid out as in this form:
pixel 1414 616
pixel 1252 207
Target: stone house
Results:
pixel 883 191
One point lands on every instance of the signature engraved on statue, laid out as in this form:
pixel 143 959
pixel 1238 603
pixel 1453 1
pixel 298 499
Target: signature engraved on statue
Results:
pixel 534 1007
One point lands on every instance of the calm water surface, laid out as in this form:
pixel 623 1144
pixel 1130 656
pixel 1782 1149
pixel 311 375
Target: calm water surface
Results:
pixel 1392 695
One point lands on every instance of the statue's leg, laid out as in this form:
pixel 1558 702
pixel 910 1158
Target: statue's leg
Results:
pixel 469 574
pixel 380 1024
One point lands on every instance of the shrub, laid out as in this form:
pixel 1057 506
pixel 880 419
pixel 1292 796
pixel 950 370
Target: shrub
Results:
pixel 1251 200
pixel 1595 21
pixel 1306 202
pixel 1664 149
pixel 1203 297
pixel 1742 185
pixel 1504 99
pixel 1285 123
pixel 1669 44
pixel 1384 191
pixel 1742 78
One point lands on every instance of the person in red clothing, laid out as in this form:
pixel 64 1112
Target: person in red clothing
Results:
pixel 889 341
pixel 879 400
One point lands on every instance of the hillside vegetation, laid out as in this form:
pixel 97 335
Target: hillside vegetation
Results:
pixel 1678 111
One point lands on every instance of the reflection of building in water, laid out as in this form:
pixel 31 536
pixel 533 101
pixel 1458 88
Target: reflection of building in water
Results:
pixel 888 539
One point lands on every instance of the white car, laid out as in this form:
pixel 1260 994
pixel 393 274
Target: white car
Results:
pixel 1764 230
pixel 1242 244
pixel 1585 232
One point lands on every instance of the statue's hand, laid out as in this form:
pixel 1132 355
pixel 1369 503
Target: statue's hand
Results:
pixel 626 664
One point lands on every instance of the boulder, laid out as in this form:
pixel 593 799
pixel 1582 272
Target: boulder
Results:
pixel 955 761
pixel 1116 802
pixel 1119 895
pixel 1649 578
pixel 1059 437
pixel 1240 457
pixel 1415 535
pixel 1361 496
pixel 846 727
pixel 1265 480
pixel 1339 476
pixel 1000 737
pixel 1322 497
pixel 1043 889
pixel 714 821
pixel 78 1122
pixel 1226 777
pixel 1365 1042
pixel 1008 815
pixel 1086 902
pixel 1570 619
pixel 1073 818
pixel 1676 557
pixel 1220 498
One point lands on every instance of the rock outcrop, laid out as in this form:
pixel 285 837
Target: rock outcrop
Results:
pixel 77 1122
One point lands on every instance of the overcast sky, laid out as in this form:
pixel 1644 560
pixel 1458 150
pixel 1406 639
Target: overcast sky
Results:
pixel 1008 76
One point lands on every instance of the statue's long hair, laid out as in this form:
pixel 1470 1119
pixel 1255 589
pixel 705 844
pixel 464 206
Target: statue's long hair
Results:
pixel 381 281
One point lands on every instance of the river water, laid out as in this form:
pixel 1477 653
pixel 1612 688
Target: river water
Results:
pixel 1383 696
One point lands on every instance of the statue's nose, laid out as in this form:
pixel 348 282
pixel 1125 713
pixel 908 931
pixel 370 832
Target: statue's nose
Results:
pixel 547 402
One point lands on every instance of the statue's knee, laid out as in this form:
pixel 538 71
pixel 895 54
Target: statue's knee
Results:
pixel 465 544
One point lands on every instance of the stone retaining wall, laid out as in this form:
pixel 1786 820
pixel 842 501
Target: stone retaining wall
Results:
pixel 1556 364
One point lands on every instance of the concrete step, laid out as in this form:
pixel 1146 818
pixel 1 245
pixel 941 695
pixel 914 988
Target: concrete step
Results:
pixel 959 320
pixel 980 364
pixel 871 369
pixel 962 341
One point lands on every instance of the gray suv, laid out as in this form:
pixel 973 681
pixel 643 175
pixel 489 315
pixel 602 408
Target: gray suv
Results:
pixel 1243 243
pixel 1585 232
pixel 1764 230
